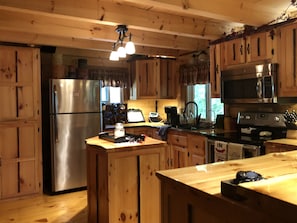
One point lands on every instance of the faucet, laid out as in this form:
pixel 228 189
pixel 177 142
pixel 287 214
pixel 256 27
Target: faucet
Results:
pixel 197 118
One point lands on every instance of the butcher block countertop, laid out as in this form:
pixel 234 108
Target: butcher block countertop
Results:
pixel 284 141
pixel 125 146
pixel 276 194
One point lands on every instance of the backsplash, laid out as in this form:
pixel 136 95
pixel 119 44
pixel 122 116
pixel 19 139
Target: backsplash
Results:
pixel 152 105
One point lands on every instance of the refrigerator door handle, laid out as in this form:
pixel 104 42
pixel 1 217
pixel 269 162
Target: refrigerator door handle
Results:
pixel 55 101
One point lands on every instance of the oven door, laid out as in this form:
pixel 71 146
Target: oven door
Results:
pixel 235 151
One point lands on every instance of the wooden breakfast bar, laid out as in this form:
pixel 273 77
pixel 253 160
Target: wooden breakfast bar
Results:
pixel 193 194
pixel 121 180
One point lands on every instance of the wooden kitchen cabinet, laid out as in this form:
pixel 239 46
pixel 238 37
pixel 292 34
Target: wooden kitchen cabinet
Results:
pixel 271 147
pixel 168 84
pixel 235 52
pixel 261 46
pixel 178 155
pixel 287 79
pixel 153 78
pixel 20 133
pixel 122 185
pixel 256 47
pixel 216 65
pixel 196 148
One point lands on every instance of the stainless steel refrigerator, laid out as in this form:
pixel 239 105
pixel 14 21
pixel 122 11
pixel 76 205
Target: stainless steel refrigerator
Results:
pixel 74 115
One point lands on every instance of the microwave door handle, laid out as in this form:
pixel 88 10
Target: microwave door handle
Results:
pixel 259 88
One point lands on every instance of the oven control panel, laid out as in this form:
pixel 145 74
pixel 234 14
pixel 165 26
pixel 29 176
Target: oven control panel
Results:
pixel 261 119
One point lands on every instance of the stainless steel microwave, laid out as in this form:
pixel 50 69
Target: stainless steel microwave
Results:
pixel 250 84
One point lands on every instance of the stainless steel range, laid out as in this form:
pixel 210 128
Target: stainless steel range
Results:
pixel 253 129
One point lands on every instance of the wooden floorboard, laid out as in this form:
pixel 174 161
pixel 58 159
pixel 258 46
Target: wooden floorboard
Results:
pixel 64 208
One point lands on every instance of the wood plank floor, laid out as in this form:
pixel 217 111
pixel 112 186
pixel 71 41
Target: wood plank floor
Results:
pixel 64 208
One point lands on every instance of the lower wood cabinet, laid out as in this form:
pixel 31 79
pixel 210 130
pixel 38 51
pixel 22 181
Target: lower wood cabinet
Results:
pixel 271 147
pixel 20 161
pixel 196 148
pixel 178 154
pixel 122 185
pixel 185 149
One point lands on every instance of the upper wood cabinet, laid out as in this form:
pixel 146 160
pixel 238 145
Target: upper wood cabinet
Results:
pixel 261 46
pixel 20 122
pixel 153 78
pixel 234 52
pixel 256 47
pixel 287 79
pixel 215 70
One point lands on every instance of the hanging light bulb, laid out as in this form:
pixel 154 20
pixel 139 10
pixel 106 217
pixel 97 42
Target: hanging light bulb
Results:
pixel 121 51
pixel 130 47
pixel 114 54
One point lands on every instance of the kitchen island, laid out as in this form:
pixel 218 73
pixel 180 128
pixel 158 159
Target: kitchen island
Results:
pixel 121 180
pixel 193 194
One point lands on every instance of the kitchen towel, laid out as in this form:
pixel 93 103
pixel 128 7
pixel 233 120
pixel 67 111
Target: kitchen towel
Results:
pixel 235 151
pixel 221 149
pixel 163 132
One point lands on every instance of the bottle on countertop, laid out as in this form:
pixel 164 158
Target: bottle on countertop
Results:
pixel 119 130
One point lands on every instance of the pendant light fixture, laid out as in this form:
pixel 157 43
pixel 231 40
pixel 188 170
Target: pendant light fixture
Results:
pixel 121 50
pixel 114 54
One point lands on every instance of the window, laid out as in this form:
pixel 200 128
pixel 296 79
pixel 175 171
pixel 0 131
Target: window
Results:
pixel 111 95
pixel 208 107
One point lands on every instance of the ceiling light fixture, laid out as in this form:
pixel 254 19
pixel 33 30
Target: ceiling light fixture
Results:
pixel 122 51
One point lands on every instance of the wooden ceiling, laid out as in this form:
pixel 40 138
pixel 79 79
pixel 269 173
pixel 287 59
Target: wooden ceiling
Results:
pixel 163 27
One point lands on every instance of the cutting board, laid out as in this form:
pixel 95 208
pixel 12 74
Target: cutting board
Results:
pixel 281 188
pixel 276 194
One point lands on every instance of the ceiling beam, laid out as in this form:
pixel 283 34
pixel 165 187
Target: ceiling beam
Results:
pixel 249 12
pixel 70 42
pixel 40 23
pixel 109 13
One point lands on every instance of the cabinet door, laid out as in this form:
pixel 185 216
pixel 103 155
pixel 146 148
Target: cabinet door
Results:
pixel 287 84
pixel 215 70
pixel 148 72
pixel 134 189
pixel 17 66
pixel 179 156
pixel 196 148
pixel 150 206
pixel 18 160
pixel 123 189
pixel 261 46
pixel 167 79
pixel 235 51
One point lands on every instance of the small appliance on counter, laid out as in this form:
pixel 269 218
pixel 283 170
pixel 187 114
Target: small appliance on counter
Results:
pixel 114 113
pixel 135 116
pixel 154 117
pixel 172 116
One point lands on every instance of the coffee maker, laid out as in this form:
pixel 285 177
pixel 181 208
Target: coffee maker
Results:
pixel 172 116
